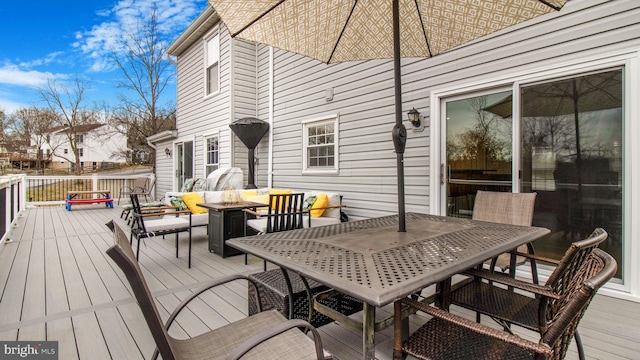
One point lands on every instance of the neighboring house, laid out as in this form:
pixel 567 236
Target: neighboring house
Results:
pixel 99 146
pixel 331 124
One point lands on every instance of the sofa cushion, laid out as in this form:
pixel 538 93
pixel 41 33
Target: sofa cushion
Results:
pixel 320 221
pixel 191 199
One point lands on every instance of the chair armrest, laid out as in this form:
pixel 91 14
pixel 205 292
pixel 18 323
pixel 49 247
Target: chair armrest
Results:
pixel 208 286
pixel 278 329
pixel 252 212
pixel 509 281
pixel 482 329
pixel 538 258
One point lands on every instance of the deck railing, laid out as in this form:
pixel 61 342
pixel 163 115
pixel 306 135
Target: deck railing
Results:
pixel 12 202
pixel 53 189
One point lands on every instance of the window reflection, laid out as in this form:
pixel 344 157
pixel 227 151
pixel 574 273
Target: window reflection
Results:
pixel 572 157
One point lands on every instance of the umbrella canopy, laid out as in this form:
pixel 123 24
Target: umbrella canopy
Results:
pixel 347 30
pixel 584 94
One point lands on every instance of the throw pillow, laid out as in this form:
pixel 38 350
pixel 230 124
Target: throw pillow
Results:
pixel 280 192
pixel 263 199
pixel 199 185
pixel 308 202
pixel 322 200
pixel 188 185
pixel 191 199
pixel 178 203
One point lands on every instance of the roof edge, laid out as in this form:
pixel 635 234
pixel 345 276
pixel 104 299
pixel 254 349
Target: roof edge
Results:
pixel 163 135
pixel 205 20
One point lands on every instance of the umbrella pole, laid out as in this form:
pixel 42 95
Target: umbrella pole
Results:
pixel 399 133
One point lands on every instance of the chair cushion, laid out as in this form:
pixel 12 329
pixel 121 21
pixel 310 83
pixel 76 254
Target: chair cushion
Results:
pixel 259 225
pixel 166 223
pixel 191 199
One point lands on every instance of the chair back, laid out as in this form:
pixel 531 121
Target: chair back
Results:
pixel 140 185
pixel 598 268
pixel 504 207
pixel 573 261
pixel 123 256
pixel 138 223
pixel 285 212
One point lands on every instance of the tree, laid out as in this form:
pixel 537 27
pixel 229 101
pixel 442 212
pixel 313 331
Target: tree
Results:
pixel 68 103
pixel 30 126
pixel 146 73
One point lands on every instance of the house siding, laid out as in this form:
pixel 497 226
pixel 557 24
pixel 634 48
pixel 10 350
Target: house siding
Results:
pixel 364 99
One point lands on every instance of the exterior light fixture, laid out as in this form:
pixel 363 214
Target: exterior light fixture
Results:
pixel 167 152
pixel 414 117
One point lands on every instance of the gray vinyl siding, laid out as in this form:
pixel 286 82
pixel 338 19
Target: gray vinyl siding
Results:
pixel 164 169
pixel 364 99
pixel 245 95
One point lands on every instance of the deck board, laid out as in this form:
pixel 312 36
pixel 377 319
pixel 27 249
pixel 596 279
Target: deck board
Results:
pixel 58 284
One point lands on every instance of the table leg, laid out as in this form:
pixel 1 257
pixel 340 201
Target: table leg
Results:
pixel 443 288
pixel 368 332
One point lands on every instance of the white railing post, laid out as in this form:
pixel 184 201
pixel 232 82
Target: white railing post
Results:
pixel 94 185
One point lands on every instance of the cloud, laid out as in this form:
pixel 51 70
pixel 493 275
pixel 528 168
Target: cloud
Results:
pixel 12 74
pixel 126 17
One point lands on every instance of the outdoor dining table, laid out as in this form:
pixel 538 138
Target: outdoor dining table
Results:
pixel 373 262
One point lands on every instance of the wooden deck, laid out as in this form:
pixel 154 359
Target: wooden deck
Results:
pixel 58 285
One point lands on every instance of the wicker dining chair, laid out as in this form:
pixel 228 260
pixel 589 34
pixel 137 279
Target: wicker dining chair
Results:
pixel 264 336
pixel 536 307
pixel 448 336
pixel 513 209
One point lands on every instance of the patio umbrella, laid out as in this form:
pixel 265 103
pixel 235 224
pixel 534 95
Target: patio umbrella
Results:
pixel 348 30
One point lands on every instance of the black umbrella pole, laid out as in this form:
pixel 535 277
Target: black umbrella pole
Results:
pixel 399 133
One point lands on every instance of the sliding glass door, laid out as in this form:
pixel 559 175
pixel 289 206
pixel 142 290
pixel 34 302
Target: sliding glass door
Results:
pixel 478 151
pixel 566 144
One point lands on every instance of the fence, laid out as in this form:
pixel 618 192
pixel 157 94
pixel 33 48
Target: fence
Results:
pixel 53 189
pixel 12 202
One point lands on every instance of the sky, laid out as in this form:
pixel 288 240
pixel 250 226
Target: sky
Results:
pixel 62 40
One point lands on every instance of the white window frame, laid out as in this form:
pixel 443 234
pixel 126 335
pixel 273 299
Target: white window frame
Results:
pixel 630 60
pixel 306 168
pixel 205 139
pixel 211 58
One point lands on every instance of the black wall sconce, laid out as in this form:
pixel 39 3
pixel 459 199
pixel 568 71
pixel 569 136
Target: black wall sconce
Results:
pixel 167 152
pixel 414 117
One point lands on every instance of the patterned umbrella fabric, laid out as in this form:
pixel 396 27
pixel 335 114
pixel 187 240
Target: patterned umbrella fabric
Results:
pixel 348 30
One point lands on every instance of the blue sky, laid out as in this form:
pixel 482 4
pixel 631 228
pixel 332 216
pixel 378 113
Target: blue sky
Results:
pixel 64 39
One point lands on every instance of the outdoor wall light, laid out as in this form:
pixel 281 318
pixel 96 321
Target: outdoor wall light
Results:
pixel 167 152
pixel 414 117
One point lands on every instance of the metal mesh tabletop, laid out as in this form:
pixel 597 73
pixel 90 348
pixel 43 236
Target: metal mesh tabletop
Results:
pixel 372 261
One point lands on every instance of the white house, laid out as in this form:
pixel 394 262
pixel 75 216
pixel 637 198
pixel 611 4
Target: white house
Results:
pixel 483 123
pixel 99 146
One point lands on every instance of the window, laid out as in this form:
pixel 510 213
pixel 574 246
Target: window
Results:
pixel 212 71
pixel 80 152
pixel 212 161
pixel 79 138
pixel 566 142
pixel 320 145
pixel 66 151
